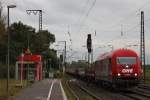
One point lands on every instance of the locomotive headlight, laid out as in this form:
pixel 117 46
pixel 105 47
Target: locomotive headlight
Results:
pixel 135 74
pixel 127 66
pixel 119 74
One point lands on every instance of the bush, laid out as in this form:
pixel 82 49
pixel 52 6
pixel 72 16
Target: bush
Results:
pixel 3 71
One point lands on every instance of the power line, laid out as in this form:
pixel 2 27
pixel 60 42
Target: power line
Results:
pixel 137 11
pixel 86 15
pixel 84 9
pixel 130 29
pixel 118 23
pixel 80 19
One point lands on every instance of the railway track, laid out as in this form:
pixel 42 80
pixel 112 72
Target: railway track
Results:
pixel 132 96
pixel 80 88
pixel 144 87
pixel 81 93
pixel 101 93
pixel 144 92
pixel 90 93
pixel 137 95
pixel 74 94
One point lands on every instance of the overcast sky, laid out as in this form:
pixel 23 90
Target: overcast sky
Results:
pixel 111 22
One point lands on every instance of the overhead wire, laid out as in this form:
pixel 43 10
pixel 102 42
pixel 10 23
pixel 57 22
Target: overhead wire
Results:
pixel 129 30
pixel 124 19
pixel 86 15
pixel 128 17
pixel 118 23
pixel 83 10
pixel 137 11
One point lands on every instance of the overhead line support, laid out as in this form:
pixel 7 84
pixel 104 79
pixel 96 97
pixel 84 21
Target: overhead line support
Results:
pixel 142 44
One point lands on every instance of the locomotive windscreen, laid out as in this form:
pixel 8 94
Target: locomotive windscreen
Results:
pixel 126 60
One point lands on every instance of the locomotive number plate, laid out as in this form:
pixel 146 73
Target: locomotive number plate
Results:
pixel 127 70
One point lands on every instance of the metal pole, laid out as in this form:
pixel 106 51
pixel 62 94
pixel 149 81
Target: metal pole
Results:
pixel 65 57
pixel 88 59
pixel 142 44
pixel 22 57
pixel 92 56
pixel 85 57
pixel 28 40
pixel 40 20
pixel 40 17
pixel 8 52
pixel 144 47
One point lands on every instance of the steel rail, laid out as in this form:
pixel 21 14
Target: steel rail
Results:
pixel 75 95
pixel 89 93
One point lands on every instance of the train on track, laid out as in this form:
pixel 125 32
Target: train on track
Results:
pixel 118 68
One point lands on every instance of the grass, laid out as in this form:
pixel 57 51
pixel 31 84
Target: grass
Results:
pixel 147 75
pixel 13 89
pixel 147 72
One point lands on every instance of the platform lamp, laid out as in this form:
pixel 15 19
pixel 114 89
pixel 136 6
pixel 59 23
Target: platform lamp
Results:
pixel 8 53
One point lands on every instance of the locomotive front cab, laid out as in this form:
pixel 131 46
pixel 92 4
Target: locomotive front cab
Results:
pixel 127 69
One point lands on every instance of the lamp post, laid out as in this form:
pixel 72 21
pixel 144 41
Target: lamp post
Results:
pixel 8 53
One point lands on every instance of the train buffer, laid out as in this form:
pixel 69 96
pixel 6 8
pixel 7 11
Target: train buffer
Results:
pixel 48 89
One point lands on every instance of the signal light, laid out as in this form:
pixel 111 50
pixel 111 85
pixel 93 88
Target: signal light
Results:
pixel 89 43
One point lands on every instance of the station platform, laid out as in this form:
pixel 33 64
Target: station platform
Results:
pixel 48 89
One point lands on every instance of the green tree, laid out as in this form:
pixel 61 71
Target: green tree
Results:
pixel 24 36
pixel 2 22
pixel 80 64
pixel 51 57
pixel 42 41
pixel 3 36
pixel 20 35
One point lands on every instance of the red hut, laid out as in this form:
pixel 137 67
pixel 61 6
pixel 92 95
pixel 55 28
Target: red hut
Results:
pixel 29 67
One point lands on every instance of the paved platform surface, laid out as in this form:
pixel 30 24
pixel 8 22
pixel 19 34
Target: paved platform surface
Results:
pixel 48 89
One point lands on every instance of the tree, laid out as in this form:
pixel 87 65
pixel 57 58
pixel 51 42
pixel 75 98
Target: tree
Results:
pixel 3 36
pixel 20 35
pixel 42 41
pixel 24 36
pixel 51 57
pixel 2 22
pixel 80 64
